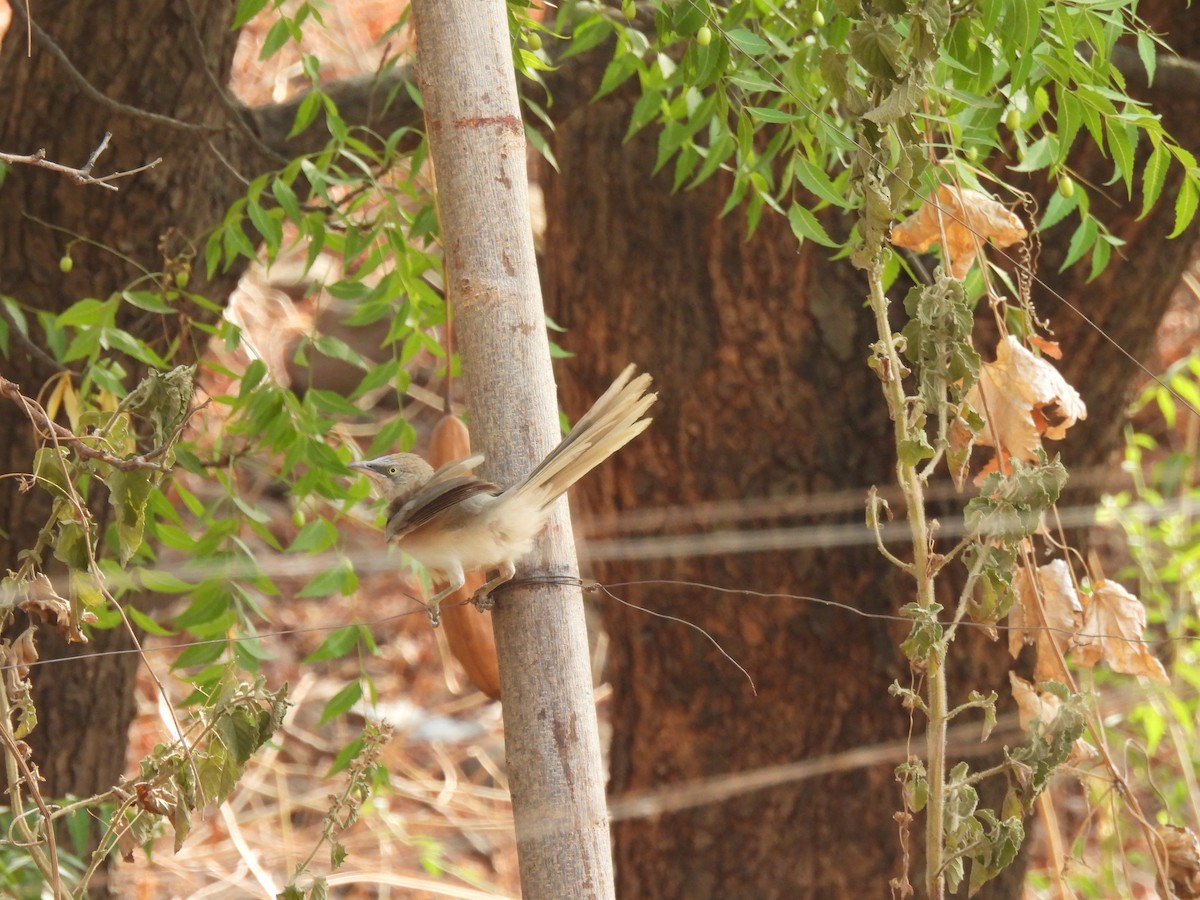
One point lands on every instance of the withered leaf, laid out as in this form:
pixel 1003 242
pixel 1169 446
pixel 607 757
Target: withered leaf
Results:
pixel 966 220
pixel 1024 399
pixel 1113 623
pixel 1054 626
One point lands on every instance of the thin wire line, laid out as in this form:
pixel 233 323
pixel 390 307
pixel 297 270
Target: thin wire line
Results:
pixel 597 587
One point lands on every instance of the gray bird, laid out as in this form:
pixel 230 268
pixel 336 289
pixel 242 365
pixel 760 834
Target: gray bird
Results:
pixel 453 523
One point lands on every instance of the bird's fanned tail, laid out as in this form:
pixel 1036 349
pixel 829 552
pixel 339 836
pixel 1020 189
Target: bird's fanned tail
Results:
pixel 613 421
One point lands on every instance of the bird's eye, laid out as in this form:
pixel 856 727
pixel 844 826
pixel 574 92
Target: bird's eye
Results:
pixel 391 470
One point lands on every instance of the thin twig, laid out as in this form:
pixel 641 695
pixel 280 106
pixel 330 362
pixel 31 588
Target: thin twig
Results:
pixel 81 175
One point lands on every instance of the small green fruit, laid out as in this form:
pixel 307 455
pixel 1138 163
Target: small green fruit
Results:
pixel 1012 119
pixel 182 277
pixel 1066 186
pixel 66 264
pixel 817 18
pixel 534 40
pixel 704 36
pixel 629 10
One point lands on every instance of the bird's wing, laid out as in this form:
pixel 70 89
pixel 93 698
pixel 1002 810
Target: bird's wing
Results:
pixel 439 495
pixel 458 467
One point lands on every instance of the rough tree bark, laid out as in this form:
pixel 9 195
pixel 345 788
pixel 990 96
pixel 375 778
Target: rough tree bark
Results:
pixel 160 58
pixel 760 356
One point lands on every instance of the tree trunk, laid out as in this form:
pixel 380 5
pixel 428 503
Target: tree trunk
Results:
pixel 759 354
pixel 160 58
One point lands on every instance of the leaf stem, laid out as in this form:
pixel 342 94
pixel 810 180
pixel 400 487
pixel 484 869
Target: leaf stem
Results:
pixel 890 371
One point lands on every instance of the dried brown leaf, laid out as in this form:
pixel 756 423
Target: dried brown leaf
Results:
pixel 1113 624
pixel 1046 614
pixel 965 219
pixel 1024 399
pixel 1032 705
pixel 23 653
pixel 1183 860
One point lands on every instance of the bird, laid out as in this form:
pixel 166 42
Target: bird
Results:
pixel 452 522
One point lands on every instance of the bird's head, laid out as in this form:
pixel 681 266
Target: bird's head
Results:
pixel 397 475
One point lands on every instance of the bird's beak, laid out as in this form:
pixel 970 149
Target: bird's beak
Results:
pixel 367 467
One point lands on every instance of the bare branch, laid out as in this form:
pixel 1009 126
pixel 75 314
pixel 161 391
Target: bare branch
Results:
pixel 82 175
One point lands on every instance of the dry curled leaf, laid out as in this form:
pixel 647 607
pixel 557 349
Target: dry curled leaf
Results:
pixel 1113 623
pixel 43 602
pixel 1024 399
pixel 23 653
pixel 1183 860
pixel 1047 614
pixel 966 219
pixel 1032 705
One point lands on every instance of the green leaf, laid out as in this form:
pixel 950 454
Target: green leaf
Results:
pixel 200 654
pixel 1070 120
pixel 160 581
pixel 317 535
pixel 616 74
pixel 144 622
pixel 151 301
pixel 341 702
pixel 117 339
pixel 1024 23
pixel 247 10
pixel 339 579
pixel 277 36
pixel 306 112
pixel 128 492
pixel 1081 242
pixel 336 644
pixel 1038 155
pixel 384 373
pixel 1122 142
pixel 345 755
pixel 88 313
pixel 287 200
pixel 1059 208
pixel 266 225
pixel 1154 174
pixel 1145 47
pixel 806 227
pixel 770 114
pixel 914 450
pixel 1185 203
pixel 748 42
